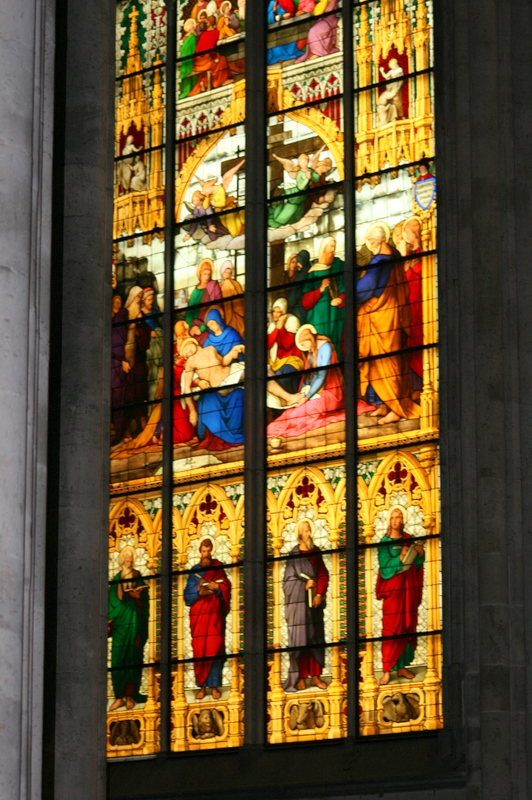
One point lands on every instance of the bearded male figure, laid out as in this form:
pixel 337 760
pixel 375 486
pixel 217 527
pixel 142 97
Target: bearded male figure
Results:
pixel 305 571
pixel 127 624
pixel 208 595
pixel 383 325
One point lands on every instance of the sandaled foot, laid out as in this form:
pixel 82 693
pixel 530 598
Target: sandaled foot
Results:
pixel 385 679
pixel 318 682
pixel 201 694
pixel 216 694
pixel 405 673
pixel 117 704
pixel 301 684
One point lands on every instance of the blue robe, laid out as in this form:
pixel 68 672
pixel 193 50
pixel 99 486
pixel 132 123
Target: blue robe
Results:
pixel 222 414
pixel 373 284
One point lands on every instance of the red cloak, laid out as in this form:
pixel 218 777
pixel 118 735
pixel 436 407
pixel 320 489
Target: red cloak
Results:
pixel 207 622
pixel 401 596
pixel 183 428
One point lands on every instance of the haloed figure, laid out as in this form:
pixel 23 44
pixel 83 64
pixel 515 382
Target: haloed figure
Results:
pixel 305 585
pixel 208 595
pixel 129 610
pixel 400 587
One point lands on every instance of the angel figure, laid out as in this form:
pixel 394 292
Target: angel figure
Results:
pixel 202 218
pixel 215 196
pixel 322 168
pixel 291 207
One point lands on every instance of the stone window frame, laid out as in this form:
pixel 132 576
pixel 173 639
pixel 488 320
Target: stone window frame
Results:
pixel 82 222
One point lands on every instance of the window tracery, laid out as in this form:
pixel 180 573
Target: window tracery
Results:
pixel 178 436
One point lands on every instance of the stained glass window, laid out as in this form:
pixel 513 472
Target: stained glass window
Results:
pixel 347 527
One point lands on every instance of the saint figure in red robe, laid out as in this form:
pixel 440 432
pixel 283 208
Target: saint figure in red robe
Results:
pixel 413 274
pixel 208 594
pixel 400 587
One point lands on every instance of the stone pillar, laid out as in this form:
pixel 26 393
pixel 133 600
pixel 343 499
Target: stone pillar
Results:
pixel 485 218
pixel 26 100
pixel 75 744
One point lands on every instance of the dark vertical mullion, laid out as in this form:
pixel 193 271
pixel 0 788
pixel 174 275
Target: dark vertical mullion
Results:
pixel 255 383
pixel 350 374
pixel 168 355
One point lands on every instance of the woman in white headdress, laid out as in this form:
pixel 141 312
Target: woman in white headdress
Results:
pixel 284 357
pixel 321 397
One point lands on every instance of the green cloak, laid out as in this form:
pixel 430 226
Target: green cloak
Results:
pixel 129 632
pixel 186 67
pixel 192 313
pixel 291 208
pixel 327 319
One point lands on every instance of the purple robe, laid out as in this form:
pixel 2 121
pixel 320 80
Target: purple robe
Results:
pixel 118 376
pixel 137 380
pixel 204 218
pixel 305 625
pixel 321 40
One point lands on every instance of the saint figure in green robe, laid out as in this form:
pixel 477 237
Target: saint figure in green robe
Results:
pixel 323 294
pixel 128 615
pixel 188 78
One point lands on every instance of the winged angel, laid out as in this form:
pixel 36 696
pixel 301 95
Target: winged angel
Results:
pixel 295 209
pixel 213 212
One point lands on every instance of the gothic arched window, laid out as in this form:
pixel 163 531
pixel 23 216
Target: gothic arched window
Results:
pixel 274 558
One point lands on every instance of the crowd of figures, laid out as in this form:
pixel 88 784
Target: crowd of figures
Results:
pixel 305 342
pixel 306 333
pixel 208 354
pixel 207 23
pixel 321 39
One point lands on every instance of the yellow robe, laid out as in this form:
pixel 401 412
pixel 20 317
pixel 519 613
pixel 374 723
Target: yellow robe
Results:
pixel 382 323
pixel 221 202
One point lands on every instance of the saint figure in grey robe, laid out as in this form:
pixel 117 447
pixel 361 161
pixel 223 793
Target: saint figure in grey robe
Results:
pixel 305 585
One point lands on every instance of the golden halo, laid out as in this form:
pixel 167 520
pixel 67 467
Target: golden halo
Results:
pixel 397 507
pixel 217 308
pixel 185 342
pixel 306 327
pixel 124 551
pixel 181 323
pixel 378 224
pixel 417 219
pixel 310 524
pixel 208 261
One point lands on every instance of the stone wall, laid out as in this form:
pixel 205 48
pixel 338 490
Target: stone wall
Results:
pixel 485 281
pixel 26 101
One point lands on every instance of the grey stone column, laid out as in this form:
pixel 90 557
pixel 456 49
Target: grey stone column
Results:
pixel 485 213
pixel 82 259
pixel 26 102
